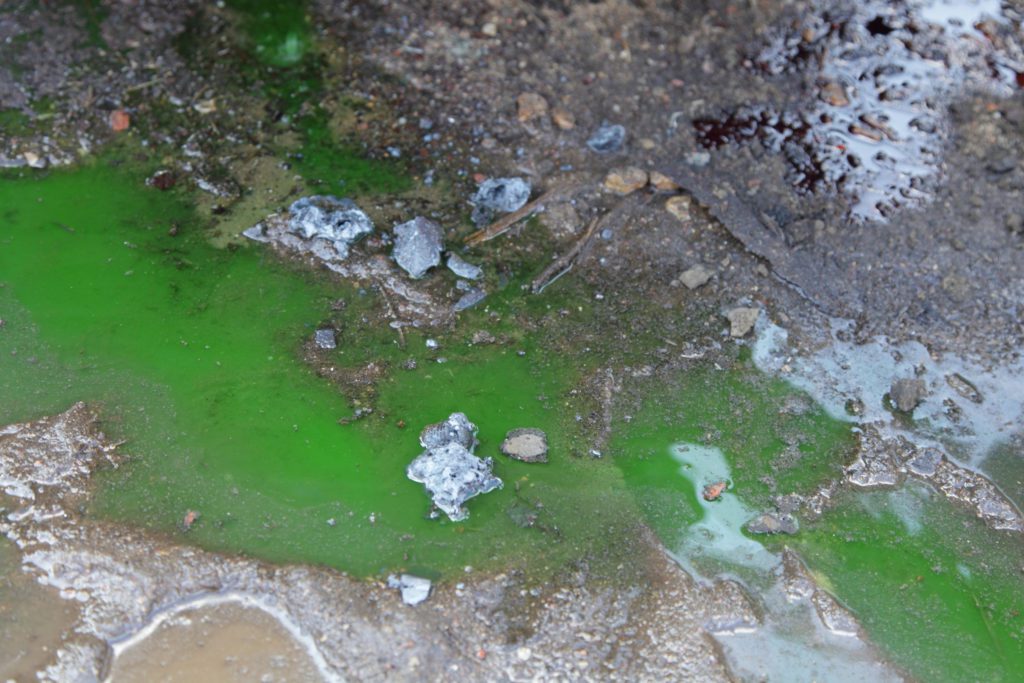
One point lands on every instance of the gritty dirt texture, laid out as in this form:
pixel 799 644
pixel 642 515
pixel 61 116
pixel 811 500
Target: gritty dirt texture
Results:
pixel 483 628
pixel 658 69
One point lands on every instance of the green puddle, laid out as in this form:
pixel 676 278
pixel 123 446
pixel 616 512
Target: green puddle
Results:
pixel 194 353
pixel 937 591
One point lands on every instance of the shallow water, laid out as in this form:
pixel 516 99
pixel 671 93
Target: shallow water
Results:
pixel 193 352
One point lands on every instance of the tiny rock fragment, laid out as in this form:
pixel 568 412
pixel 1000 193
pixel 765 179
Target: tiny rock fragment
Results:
pixel 325 339
pixel 530 106
pixel 563 118
pixel 714 490
pixel 119 120
pixel 907 393
pixel 489 29
pixel 526 444
pixel 662 183
pixel 462 268
pixel 418 246
pixel 606 139
pixel 742 320
pixel 679 207
pixel 626 180
pixel 414 589
pixel 696 276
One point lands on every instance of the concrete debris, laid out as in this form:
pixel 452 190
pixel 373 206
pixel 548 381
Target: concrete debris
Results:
pixel 452 475
pixel 696 276
pixel 414 589
pixel 449 470
pixel 606 139
pixel 418 246
pixel 906 394
pixel 463 268
pixel 456 429
pixel 742 320
pixel 526 444
pixel 329 218
pixel 504 195
pixel 471 298
pixel 325 339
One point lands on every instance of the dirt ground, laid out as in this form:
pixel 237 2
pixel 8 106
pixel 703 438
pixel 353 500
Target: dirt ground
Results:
pixel 734 103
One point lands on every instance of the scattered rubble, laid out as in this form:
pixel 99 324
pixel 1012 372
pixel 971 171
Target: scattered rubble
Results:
pixel 714 490
pixel 449 470
pixel 418 246
pixel 526 444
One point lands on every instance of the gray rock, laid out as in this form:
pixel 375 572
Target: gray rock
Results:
pixel 456 429
pixel 452 475
pixel 418 246
pixel 471 298
pixel 695 277
pixel 325 338
pixel 415 589
pixel 526 444
pixel 502 194
pixel 771 523
pixel 742 320
pixel 906 394
pixel 329 218
pixel 608 138
pixel 926 462
pixel 462 268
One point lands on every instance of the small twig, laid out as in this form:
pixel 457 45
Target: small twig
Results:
pixel 502 225
pixel 142 86
pixel 563 263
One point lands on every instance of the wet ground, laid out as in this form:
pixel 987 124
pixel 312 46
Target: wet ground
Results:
pixel 770 326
